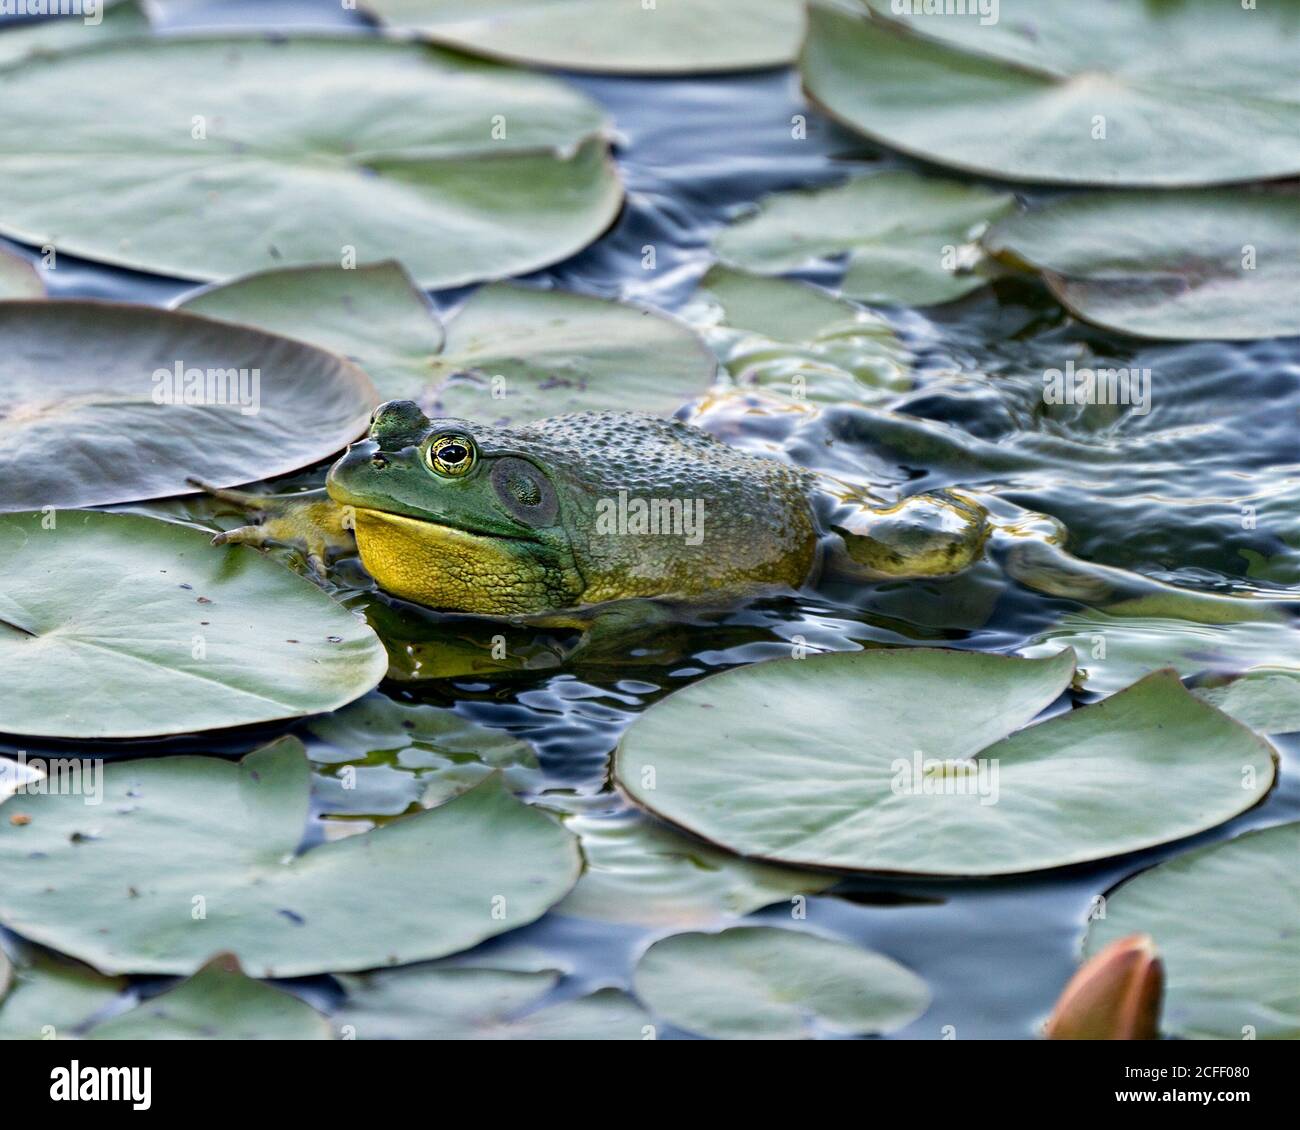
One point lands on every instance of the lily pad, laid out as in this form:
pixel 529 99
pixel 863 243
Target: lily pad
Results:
pixel 373 315
pixel 668 37
pixel 1225 919
pixel 95 412
pixel 280 152
pixel 907 239
pixel 1266 699
pixel 18 278
pixel 642 873
pixel 1211 264
pixel 933 786
pixel 191 854
pixel 48 997
pixel 432 1003
pixel 787 337
pixel 759 982
pixel 1052 91
pixel 219 1002
pixel 121 19
pixel 161 633
pixel 515 354
pixel 411 754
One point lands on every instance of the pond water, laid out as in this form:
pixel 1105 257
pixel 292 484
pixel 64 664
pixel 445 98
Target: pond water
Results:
pixel 1160 493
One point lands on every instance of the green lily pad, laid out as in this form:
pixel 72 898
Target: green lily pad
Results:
pixel 1057 92
pixel 1211 264
pixel 908 239
pixel 764 983
pixel 412 754
pixel 121 19
pixel 44 996
pixel 220 1002
pixel 191 854
pixel 162 633
pixel 790 338
pixel 642 873
pixel 432 1003
pixel 279 152
pixel 95 413
pixel 1266 699
pixel 373 315
pixel 515 354
pixel 672 37
pixel 18 278
pixel 933 786
pixel 1225 919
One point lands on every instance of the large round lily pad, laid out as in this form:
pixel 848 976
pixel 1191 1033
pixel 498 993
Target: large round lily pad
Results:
pixel 1053 91
pixel 632 37
pixel 115 626
pixel 104 403
pixel 515 354
pixel 1208 264
pixel 285 152
pixel 437 1003
pixel 220 1002
pixel 1225 920
pixel 908 239
pixel 898 761
pixel 45 997
pixel 759 982
pixel 191 854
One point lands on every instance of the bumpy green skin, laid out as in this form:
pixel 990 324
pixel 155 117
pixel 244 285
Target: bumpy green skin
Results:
pixel 547 516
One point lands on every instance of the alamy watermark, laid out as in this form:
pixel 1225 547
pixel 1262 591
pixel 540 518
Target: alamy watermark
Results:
pixel 90 11
pixel 986 10
pixel 666 517
pixel 936 776
pixel 1073 385
pixel 235 387
pixel 53 776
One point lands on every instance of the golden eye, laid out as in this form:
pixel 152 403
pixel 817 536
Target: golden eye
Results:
pixel 451 455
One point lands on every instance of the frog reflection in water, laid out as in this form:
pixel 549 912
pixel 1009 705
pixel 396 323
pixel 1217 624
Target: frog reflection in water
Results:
pixel 594 507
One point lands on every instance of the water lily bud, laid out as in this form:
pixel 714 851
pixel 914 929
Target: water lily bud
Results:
pixel 1115 995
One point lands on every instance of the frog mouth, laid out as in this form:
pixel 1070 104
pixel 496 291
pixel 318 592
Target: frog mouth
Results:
pixel 427 525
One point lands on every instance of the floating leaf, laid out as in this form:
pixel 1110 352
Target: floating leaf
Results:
pixel 191 854
pixel 1266 699
pixel 793 776
pixel 757 982
pixel 412 754
pixel 49 997
pixel 1212 264
pixel 1225 919
pixel 515 354
pixel 93 400
pixel 281 152
pixel 1053 91
pixel 641 872
pixel 161 633
pixel 18 278
pixel 908 239
pixel 219 1002
pixel 791 338
pixel 431 1003
pixel 374 315
pixel 673 37
pixel 122 19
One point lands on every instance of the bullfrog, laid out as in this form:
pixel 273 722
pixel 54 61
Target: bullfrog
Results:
pixel 594 507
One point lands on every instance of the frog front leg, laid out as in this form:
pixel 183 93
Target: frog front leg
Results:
pixel 310 521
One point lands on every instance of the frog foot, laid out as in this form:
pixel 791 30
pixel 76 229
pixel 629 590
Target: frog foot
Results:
pixel 309 521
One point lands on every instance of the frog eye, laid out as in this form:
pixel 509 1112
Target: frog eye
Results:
pixel 451 455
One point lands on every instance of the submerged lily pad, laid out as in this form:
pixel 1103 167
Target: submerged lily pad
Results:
pixel 641 872
pixel 95 412
pixel 1053 91
pixel 438 1003
pixel 281 152
pixel 191 854
pixel 933 786
pixel 45 997
pixel 515 354
pixel 1225 919
pixel 671 37
pixel 373 315
pixel 116 626
pixel 790 338
pixel 908 239
pixel 18 278
pixel 1211 264
pixel 760 982
pixel 220 1002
